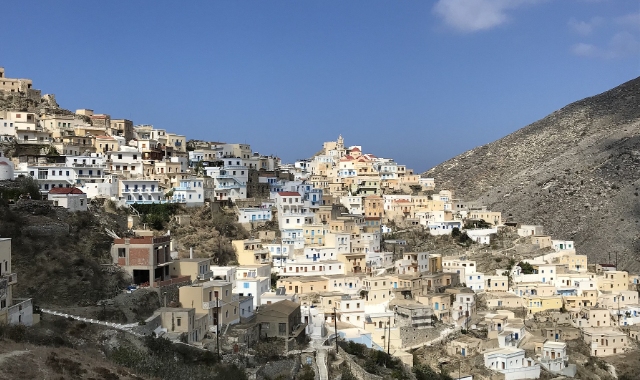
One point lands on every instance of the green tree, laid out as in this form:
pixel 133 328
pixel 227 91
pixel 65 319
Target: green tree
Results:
pixel 525 267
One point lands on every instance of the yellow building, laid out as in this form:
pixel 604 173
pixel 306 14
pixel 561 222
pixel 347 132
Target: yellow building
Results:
pixel 250 251
pixel 373 206
pixel 577 263
pixel 378 290
pixel 440 303
pixel 306 284
pixel 382 331
pixel 613 281
pixel 536 304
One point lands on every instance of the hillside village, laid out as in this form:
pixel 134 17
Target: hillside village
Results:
pixel 343 244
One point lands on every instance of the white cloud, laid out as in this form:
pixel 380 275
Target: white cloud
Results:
pixel 476 15
pixel 621 45
pixel 584 28
pixel 631 20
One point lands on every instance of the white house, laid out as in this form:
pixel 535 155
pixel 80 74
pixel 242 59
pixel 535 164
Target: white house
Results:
pixel 254 215
pixel 562 245
pixel 190 192
pixel 70 198
pixel 230 183
pixel 554 359
pixel 530 230
pixel 141 191
pixel 310 268
pixel 512 363
pixel 127 162
pixel 443 228
pixel 474 281
pixel 252 286
pixel 481 235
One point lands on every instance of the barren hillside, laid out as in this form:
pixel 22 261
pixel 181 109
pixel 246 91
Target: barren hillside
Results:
pixel 576 172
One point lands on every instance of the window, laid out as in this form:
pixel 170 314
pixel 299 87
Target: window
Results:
pixel 178 321
pixel 282 329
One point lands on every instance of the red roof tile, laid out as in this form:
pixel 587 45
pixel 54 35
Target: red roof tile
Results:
pixel 289 193
pixel 65 190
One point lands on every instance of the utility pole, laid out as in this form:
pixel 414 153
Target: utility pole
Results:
pixel 389 344
pixel 218 325
pixel 335 323
pixel 467 319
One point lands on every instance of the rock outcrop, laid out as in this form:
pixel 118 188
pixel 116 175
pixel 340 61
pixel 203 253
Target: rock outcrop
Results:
pixel 577 172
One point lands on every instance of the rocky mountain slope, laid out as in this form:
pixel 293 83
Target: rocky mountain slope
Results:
pixel 576 171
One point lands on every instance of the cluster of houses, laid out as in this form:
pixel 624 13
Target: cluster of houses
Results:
pixel 338 273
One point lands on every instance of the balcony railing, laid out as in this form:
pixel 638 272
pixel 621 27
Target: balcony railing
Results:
pixel 211 304
pixel 205 276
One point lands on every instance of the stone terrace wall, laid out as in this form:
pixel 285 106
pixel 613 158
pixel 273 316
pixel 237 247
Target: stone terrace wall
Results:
pixel 356 370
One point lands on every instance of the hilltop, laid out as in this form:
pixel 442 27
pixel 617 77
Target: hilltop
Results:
pixel 574 171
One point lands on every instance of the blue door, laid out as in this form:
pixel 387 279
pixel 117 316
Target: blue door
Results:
pixel 463 352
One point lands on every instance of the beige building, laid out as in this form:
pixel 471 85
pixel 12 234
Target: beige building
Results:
pixel 464 346
pixel 604 341
pixel 122 128
pixel 503 300
pixel 542 241
pixel 213 298
pixel 493 217
pixel 306 284
pixel 613 281
pixel 496 283
pixel 281 320
pixel 378 290
pixel 591 317
pixel 185 322
pixel 14 85
pixel 196 269
pixel 12 310
pixel 250 252
pixel 576 263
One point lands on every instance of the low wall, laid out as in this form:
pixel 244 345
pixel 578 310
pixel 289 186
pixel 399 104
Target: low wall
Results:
pixel 355 368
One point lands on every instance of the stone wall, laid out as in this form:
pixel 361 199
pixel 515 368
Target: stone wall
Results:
pixel 287 368
pixel 411 336
pixel 173 294
pixel 355 368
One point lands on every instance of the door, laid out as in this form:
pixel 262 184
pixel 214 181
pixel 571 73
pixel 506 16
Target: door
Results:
pixel 463 352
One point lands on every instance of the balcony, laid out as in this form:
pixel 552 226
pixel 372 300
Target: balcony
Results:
pixel 148 202
pixel 212 304
pixel 205 276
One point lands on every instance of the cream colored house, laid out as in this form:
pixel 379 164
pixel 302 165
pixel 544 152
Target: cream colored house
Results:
pixel 604 341
pixel 613 281
pixel 178 321
pixel 214 298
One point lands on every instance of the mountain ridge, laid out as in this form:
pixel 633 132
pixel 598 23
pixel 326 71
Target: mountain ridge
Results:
pixel 573 171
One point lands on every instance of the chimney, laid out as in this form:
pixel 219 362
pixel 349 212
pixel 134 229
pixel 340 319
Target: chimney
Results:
pixel 191 253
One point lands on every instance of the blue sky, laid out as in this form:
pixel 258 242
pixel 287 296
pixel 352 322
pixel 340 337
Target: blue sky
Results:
pixel 418 81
